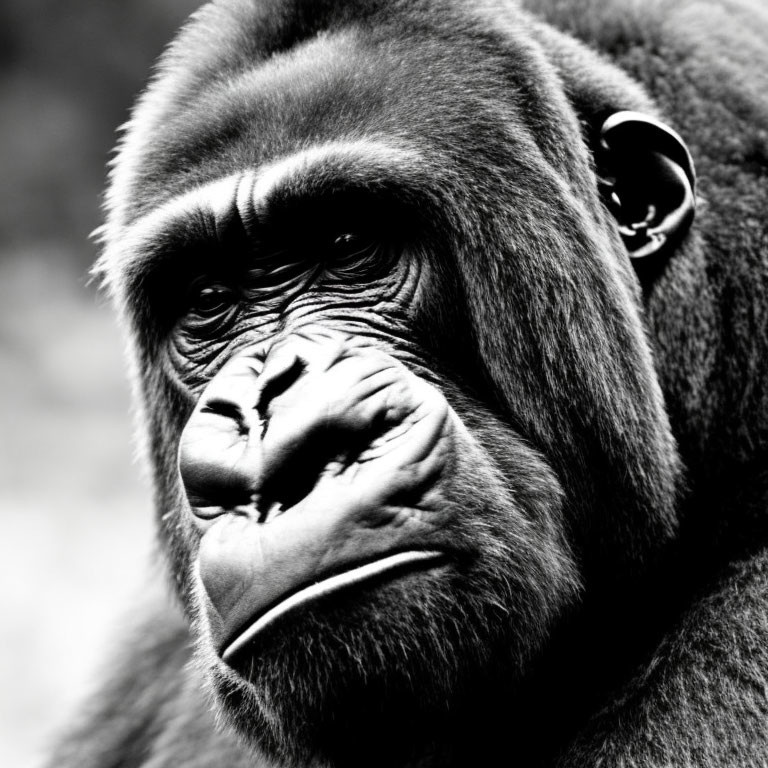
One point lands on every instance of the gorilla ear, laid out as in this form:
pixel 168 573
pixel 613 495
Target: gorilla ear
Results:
pixel 647 181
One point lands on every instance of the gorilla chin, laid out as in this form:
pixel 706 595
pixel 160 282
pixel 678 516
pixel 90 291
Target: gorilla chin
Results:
pixel 330 682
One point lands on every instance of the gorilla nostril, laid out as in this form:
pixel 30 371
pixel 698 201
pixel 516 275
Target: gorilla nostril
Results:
pixel 278 379
pixel 227 410
pixel 294 479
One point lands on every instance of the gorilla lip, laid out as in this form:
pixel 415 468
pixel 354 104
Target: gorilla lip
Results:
pixel 318 589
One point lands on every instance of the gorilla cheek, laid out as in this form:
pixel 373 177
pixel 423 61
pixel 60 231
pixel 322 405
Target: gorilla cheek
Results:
pixel 318 468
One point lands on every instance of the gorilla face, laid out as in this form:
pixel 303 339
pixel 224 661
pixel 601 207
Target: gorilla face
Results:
pixel 401 411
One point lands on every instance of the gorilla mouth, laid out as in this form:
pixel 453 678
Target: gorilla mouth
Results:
pixel 392 566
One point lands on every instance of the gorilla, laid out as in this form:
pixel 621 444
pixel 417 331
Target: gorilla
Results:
pixel 451 358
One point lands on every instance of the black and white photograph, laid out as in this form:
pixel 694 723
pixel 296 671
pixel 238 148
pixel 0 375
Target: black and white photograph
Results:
pixel 385 384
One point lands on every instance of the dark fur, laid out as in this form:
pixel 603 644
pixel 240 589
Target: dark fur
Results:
pixel 663 659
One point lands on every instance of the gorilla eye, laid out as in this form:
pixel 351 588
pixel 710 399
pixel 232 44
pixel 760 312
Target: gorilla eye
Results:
pixel 211 300
pixel 354 254
pixel 347 243
pixel 209 306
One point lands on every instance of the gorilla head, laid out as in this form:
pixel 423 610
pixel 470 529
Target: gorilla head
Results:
pixel 401 411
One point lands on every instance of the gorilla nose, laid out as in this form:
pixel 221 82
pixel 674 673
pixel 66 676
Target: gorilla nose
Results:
pixel 224 462
pixel 273 427
pixel 269 424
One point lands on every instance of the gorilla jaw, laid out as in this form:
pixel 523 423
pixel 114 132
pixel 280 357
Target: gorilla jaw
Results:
pixel 377 501
pixel 339 571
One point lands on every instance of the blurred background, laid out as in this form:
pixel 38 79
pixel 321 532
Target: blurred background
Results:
pixel 76 519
